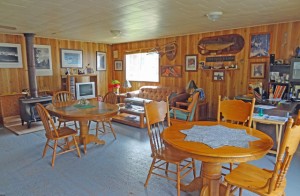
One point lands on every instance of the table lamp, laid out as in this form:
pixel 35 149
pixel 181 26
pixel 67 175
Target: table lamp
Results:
pixel 190 87
pixel 126 85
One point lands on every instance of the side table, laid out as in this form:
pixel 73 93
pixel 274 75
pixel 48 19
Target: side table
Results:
pixel 121 97
pixel 273 120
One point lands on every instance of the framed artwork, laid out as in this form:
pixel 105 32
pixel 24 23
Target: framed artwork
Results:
pixel 118 65
pixel 10 56
pixel 171 71
pixel 260 45
pixel 101 61
pixel 257 70
pixel 43 60
pixel 71 58
pixel 191 63
pixel 218 75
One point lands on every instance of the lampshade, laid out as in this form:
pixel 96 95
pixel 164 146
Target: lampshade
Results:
pixel 126 84
pixel 191 85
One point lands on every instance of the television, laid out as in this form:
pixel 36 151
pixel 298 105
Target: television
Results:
pixel 295 70
pixel 85 90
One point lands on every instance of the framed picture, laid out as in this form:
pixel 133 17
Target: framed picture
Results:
pixel 101 61
pixel 257 70
pixel 10 56
pixel 71 58
pixel 171 71
pixel 43 60
pixel 191 63
pixel 218 75
pixel 259 45
pixel 118 65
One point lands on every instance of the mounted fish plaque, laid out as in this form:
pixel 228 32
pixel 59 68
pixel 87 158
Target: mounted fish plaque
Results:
pixel 220 45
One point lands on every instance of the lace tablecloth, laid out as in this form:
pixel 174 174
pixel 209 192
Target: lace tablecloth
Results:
pixel 218 136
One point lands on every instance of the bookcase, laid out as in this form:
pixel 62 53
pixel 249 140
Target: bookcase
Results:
pixel 280 77
pixel 69 81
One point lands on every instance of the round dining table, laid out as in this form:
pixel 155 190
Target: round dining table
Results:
pixel 74 111
pixel 209 182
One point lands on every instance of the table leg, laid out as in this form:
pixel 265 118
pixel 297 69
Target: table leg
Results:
pixel 142 124
pixel 84 136
pixel 209 182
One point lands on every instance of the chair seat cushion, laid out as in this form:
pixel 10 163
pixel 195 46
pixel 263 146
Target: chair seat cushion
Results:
pixel 179 114
pixel 252 178
pixel 137 101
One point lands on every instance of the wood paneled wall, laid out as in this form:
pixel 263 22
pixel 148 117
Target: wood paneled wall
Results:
pixel 285 37
pixel 13 80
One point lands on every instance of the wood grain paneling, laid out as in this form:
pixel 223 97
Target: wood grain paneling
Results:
pixel 14 80
pixel 285 37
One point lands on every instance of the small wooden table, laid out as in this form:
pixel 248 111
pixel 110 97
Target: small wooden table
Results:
pixel 134 116
pixel 279 127
pixel 212 159
pixel 95 111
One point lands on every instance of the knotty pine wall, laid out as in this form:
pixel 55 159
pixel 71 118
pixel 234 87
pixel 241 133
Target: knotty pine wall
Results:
pixel 13 80
pixel 285 37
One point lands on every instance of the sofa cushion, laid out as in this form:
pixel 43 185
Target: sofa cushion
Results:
pixel 137 101
pixel 158 93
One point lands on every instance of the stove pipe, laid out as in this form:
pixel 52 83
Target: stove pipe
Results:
pixel 29 39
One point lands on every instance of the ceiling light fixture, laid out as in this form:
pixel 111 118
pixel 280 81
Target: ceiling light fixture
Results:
pixel 115 33
pixel 214 15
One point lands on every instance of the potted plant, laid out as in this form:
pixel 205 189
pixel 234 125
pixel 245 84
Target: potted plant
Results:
pixel 115 84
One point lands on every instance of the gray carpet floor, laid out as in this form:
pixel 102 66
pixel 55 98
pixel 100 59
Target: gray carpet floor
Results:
pixel 119 167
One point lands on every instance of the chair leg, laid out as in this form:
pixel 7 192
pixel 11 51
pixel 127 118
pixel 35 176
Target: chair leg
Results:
pixel 45 148
pixel 97 129
pixel 103 126
pixel 112 129
pixel 228 189
pixel 150 171
pixel 178 179
pixel 67 142
pixel 194 167
pixel 76 145
pixel 59 124
pixel 167 168
pixel 54 153
pixel 240 191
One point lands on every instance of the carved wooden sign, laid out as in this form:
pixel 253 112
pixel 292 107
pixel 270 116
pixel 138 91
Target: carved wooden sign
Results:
pixel 220 45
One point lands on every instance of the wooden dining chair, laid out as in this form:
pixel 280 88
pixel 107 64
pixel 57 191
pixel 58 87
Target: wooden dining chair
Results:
pixel 63 96
pixel 179 114
pixel 156 113
pixel 263 181
pixel 111 98
pixel 236 112
pixel 297 118
pixel 53 134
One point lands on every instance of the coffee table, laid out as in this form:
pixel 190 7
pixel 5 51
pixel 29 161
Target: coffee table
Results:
pixel 134 116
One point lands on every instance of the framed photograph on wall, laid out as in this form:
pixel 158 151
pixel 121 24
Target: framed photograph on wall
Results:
pixel 118 65
pixel 191 63
pixel 43 60
pixel 10 55
pixel 71 58
pixel 257 70
pixel 171 71
pixel 218 76
pixel 260 45
pixel 101 61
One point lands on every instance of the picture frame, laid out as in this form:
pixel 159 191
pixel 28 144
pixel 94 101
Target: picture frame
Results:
pixel 191 63
pixel 118 65
pixel 100 61
pixel 10 55
pixel 260 45
pixel 71 58
pixel 218 75
pixel 258 70
pixel 43 60
pixel 171 71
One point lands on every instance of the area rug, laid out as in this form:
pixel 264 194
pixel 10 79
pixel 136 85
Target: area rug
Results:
pixel 14 124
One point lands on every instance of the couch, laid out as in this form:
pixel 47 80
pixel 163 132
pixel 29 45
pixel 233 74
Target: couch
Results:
pixel 156 93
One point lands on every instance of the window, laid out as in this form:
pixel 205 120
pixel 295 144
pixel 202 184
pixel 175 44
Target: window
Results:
pixel 142 67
